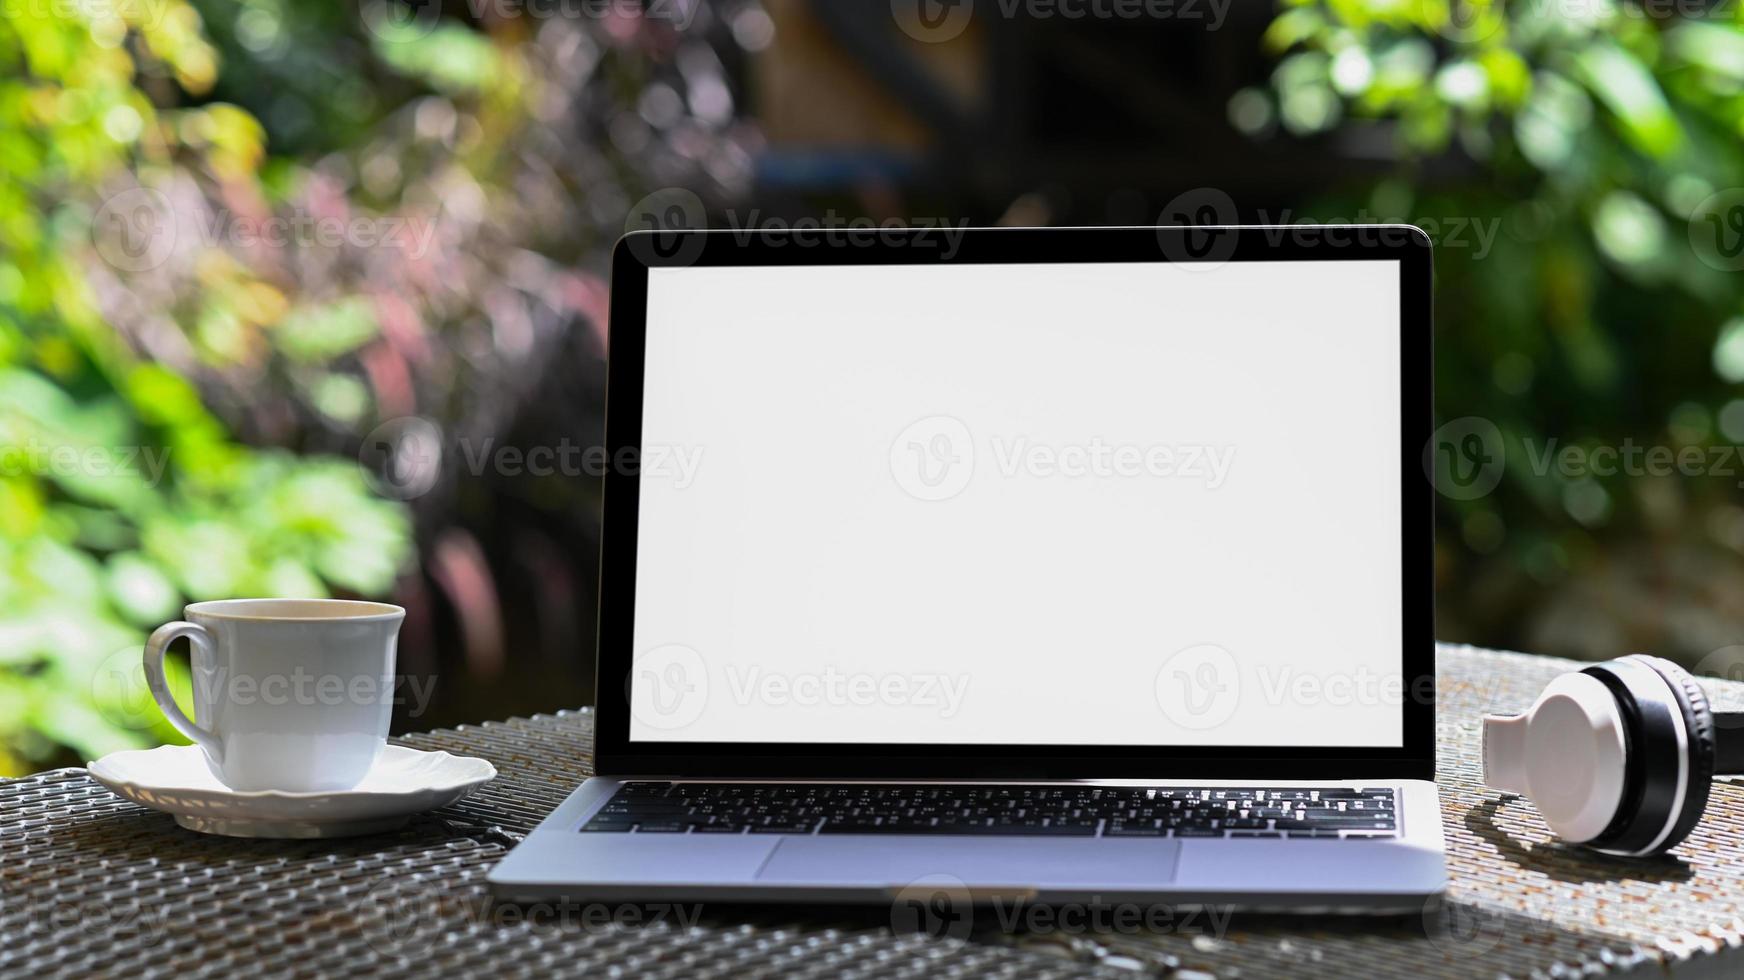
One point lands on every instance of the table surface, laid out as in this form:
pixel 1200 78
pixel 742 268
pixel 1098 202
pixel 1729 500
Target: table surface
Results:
pixel 90 883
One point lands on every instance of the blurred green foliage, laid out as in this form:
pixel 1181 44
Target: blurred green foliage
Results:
pixel 1603 144
pixel 234 224
pixel 122 495
pixel 1581 166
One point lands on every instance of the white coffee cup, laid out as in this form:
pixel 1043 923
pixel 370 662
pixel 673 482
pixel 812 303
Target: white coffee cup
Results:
pixel 292 695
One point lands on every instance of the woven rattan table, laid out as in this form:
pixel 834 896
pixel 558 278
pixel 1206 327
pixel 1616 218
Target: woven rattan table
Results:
pixel 90 884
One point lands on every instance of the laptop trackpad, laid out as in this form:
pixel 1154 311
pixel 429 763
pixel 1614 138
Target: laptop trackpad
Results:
pixel 1045 862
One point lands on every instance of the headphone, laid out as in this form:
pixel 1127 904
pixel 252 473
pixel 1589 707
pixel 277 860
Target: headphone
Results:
pixel 1619 756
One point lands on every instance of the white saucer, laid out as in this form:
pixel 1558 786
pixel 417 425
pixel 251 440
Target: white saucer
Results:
pixel 176 780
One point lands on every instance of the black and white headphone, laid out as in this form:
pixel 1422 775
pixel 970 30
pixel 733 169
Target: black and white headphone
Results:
pixel 1619 756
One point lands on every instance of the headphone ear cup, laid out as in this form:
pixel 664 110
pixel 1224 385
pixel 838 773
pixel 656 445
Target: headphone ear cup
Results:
pixel 1699 722
pixel 1569 754
pixel 1656 764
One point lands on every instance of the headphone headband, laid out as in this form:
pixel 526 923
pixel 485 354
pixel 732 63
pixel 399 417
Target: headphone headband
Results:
pixel 1729 743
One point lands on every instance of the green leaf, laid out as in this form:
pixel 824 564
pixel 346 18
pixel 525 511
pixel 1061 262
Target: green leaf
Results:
pixel 140 590
pixel 1627 88
pixel 1292 28
pixel 1629 229
pixel 451 57
pixel 1717 48
pixel 314 334
pixel 1729 351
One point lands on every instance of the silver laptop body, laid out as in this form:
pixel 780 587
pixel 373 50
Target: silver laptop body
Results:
pixel 1040 565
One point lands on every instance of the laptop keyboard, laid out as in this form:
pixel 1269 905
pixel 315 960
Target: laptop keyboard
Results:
pixel 803 808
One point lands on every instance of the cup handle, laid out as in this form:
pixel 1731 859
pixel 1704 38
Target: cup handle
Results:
pixel 155 645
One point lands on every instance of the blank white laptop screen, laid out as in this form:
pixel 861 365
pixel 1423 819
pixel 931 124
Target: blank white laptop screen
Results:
pixel 1066 504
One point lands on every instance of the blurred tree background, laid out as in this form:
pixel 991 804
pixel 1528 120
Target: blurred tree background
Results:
pixel 1605 144
pixel 275 275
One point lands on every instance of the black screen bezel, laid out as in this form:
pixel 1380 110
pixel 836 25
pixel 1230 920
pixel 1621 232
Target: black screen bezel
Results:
pixel 616 754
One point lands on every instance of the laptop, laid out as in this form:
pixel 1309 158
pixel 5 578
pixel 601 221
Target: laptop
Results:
pixel 1061 565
